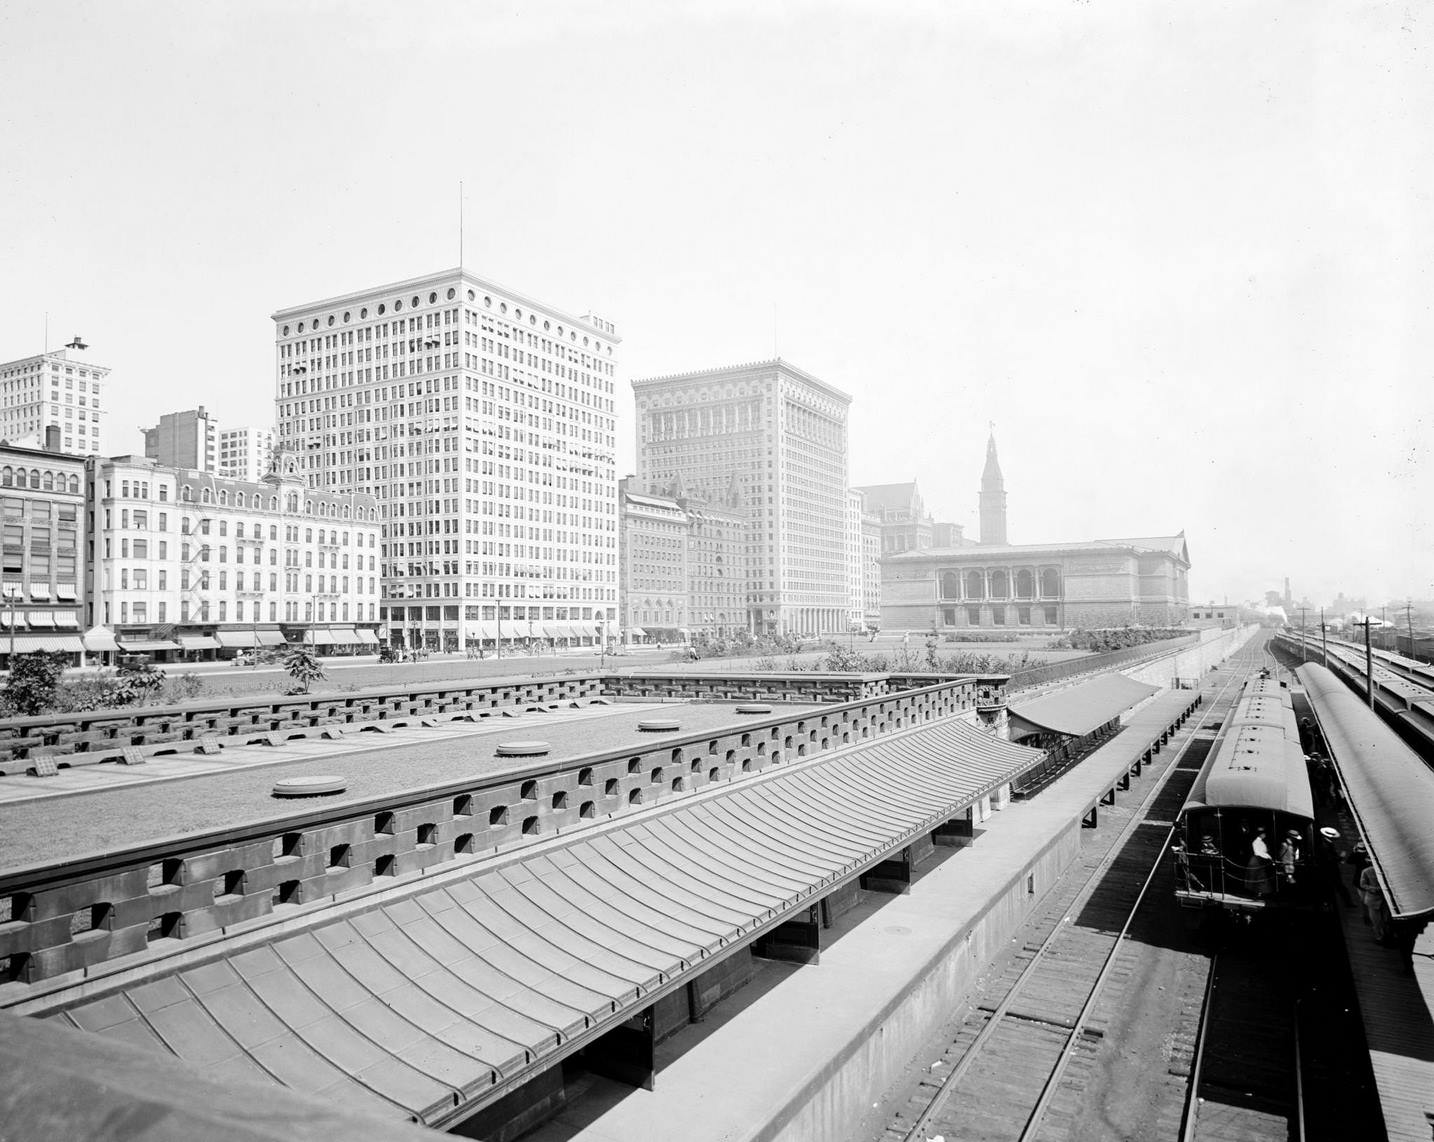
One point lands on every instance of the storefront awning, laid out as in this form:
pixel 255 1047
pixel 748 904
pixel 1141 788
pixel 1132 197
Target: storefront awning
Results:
pixel 344 636
pixel 636 632
pixel 30 643
pixel 237 639
pixel 270 638
pixel 319 636
pixel 98 639
pixel 145 645
pixel 198 642
pixel 367 637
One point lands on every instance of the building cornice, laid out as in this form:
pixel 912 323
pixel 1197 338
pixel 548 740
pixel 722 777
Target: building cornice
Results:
pixel 443 277
pixel 726 372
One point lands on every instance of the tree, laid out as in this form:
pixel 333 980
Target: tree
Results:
pixel 34 681
pixel 137 683
pixel 303 668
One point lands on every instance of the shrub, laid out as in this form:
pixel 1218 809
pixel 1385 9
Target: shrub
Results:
pixel 33 683
pixel 303 668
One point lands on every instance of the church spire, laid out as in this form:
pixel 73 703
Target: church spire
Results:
pixel 993 496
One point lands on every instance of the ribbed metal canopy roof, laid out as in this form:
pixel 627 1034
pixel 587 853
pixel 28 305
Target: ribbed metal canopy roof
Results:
pixel 422 1004
pixel 1391 791
pixel 1086 706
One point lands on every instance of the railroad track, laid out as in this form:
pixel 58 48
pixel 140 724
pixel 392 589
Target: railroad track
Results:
pixel 1004 1066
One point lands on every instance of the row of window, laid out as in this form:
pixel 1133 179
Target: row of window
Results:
pixel 998 584
pixel 997 616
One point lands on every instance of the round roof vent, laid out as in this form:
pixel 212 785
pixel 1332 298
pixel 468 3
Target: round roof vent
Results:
pixel 316 786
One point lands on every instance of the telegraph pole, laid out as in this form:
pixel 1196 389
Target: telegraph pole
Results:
pixel 1368 662
pixel 1409 621
pixel 1304 648
pixel 1323 639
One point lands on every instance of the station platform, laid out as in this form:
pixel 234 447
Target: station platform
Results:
pixel 1396 1005
pixel 806 1048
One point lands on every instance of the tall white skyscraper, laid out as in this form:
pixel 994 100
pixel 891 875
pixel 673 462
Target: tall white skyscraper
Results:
pixel 781 434
pixel 483 421
pixel 52 389
pixel 245 453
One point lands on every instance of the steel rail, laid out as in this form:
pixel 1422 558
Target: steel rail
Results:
pixel 959 1071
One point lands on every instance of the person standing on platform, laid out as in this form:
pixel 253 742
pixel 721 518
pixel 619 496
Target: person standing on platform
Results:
pixel 1290 856
pixel 1327 860
pixel 1260 871
pixel 1375 913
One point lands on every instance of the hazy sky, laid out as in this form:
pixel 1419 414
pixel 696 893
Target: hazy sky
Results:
pixel 1171 249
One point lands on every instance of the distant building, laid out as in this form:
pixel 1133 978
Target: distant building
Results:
pixel 42 512
pixel 993 497
pixel 999 585
pixel 245 453
pixel 905 524
pixel 681 566
pixel 1104 583
pixel 781 434
pixel 1216 615
pixel 949 535
pixel 189 562
pixel 870 571
pixel 52 389
pixel 188 439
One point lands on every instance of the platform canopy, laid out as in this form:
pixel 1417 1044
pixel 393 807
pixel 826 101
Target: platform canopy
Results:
pixel 424 1002
pixel 1391 791
pixel 1080 709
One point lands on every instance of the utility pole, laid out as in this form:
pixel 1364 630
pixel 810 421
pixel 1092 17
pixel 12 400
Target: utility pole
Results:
pixel 1304 648
pixel 1409 622
pixel 1368 662
pixel 1323 639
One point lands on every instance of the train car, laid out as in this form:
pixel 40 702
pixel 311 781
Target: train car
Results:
pixel 1245 834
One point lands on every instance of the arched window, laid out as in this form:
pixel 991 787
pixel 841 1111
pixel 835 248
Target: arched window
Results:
pixel 950 585
pixel 7 476
pixel 975 585
pixel 1050 583
pixel 206 496
pixel 1025 584
pixel 239 499
pixel 35 478
pixel 185 494
pixel 49 481
pixel 224 497
pixel 74 485
pixel 239 530
pixel 1000 585
pixel 273 503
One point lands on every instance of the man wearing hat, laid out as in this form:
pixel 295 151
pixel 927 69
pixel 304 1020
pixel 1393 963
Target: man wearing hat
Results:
pixel 1290 855
pixel 1327 860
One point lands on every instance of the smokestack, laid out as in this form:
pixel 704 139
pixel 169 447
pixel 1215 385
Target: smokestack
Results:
pixel 52 438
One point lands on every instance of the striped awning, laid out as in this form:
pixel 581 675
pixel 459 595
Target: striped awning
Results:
pixel 144 645
pixel 65 592
pixel 67 620
pixel 98 639
pixel 42 620
pixel 30 643
pixel 40 592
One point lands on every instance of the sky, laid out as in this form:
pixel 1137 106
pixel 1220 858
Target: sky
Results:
pixel 1179 253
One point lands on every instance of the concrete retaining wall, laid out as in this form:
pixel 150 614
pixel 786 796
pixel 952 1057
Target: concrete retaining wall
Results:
pixel 1190 664
pixel 876 1058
